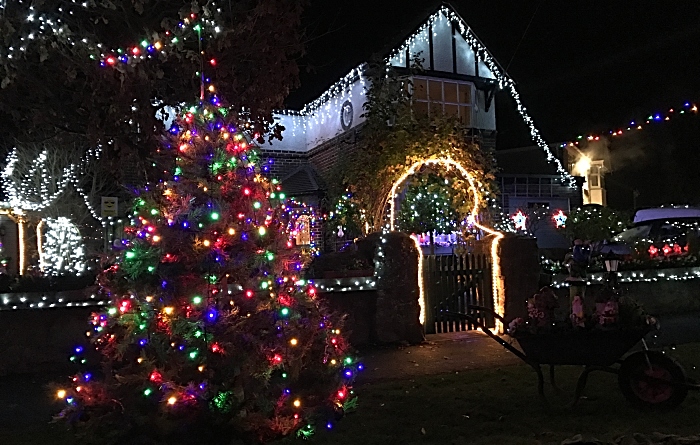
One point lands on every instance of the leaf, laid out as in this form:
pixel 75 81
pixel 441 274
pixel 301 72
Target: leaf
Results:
pixel 5 82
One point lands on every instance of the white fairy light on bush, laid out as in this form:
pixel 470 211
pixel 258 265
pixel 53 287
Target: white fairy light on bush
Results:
pixel 63 251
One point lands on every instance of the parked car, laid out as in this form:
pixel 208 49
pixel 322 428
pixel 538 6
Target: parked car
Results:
pixel 663 231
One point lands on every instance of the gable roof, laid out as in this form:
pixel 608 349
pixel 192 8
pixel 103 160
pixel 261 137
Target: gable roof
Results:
pixel 482 57
pixel 302 181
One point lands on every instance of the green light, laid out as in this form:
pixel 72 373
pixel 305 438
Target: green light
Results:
pixel 151 268
pixel 174 40
pixel 141 202
pixel 272 195
pixel 197 300
pixel 112 311
pixel 348 360
pixel 198 334
pixel 282 195
pixel 200 225
pixel 264 285
pixel 216 166
pixel 144 43
pixel 147 392
pixel 284 375
pixel 284 311
pixel 214 216
pixel 193 354
pixel 142 326
pixel 301 282
pixel 197 28
pixel 270 256
pixel 193 109
pixel 130 255
pixel 154 211
pixel 256 205
pixel 274 181
pixel 178 171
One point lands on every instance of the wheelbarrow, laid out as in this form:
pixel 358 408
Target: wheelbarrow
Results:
pixel 648 379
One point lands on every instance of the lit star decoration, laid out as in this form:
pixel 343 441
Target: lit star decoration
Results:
pixel 559 219
pixel 208 318
pixel 519 220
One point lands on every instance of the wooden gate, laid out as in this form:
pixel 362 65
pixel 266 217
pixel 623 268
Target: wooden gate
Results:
pixel 451 283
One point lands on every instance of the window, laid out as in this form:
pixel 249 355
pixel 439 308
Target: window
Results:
pixel 302 230
pixel 449 97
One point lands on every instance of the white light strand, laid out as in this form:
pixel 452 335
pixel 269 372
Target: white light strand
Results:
pixel 63 251
pixel 504 81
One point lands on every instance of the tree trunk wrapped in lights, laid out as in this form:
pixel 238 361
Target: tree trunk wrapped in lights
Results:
pixel 207 336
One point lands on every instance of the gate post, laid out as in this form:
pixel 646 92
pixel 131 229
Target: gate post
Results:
pixel 520 271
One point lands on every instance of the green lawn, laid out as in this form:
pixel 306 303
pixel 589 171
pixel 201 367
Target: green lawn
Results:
pixel 496 406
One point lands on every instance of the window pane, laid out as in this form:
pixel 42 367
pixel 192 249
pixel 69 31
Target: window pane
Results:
pixel 420 108
pixel 465 94
pixel 450 92
pixel 465 115
pixel 594 180
pixel 420 89
pixel 451 110
pixel 435 90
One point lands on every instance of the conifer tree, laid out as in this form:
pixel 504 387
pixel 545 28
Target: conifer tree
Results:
pixel 210 335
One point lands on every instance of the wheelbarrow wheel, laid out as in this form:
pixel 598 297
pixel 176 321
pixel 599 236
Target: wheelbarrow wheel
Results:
pixel 656 383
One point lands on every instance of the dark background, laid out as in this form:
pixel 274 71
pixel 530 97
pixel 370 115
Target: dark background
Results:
pixel 581 67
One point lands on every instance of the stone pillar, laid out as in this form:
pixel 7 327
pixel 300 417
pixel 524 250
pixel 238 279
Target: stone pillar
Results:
pixel 520 272
pixel 398 310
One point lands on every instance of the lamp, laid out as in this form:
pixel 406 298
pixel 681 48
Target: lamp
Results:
pixel 612 262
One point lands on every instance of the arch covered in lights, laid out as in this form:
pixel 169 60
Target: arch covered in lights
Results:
pixel 449 164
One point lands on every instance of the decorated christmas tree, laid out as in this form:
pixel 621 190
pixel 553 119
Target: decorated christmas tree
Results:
pixel 211 335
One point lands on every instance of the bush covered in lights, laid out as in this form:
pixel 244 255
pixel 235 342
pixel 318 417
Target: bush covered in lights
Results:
pixel 209 337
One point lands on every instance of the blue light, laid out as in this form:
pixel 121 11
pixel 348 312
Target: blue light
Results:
pixel 78 349
pixel 143 342
pixel 87 377
pixel 211 314
pixel 174 129
pixel 687 104
pixel 181 347
pixel 329 425
pixel 287 391
pixel 360 367
pixel 185 224
pixel 348 373
pixel 657 117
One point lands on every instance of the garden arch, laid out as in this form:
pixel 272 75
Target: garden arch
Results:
pixel 448 164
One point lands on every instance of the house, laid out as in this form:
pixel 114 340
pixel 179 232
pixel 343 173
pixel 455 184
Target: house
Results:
pixel 460 78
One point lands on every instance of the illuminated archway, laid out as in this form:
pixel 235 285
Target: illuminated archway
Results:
pixel 448 164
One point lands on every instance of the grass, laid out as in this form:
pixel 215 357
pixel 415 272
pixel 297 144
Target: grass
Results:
pixel 494 406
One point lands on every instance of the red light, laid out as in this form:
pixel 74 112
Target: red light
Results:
pixel 334 341
pixel 653 251
pixel 215 348
pixel 111 60
pixel 341 394
pixel 135 51
pixel 667 249
pixel 289 244
pixel 277 358
pixel 312 291
pixel 249 293
pixel 155 376
pixel 213 62
pixel 246 192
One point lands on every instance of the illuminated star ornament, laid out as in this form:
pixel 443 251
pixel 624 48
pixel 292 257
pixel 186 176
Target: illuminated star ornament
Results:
pixel 559 219
pixel 520 220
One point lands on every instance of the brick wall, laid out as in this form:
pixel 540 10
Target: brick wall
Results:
pixel 284 162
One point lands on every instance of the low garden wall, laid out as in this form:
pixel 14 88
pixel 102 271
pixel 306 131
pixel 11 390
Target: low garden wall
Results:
pixel 41 340
pixel 661 291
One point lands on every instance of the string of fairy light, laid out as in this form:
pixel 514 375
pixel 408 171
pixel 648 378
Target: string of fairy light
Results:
pixel 687 108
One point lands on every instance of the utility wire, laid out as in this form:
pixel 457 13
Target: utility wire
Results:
pixel 524 33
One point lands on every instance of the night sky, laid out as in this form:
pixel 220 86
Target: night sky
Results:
pixel 582 67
